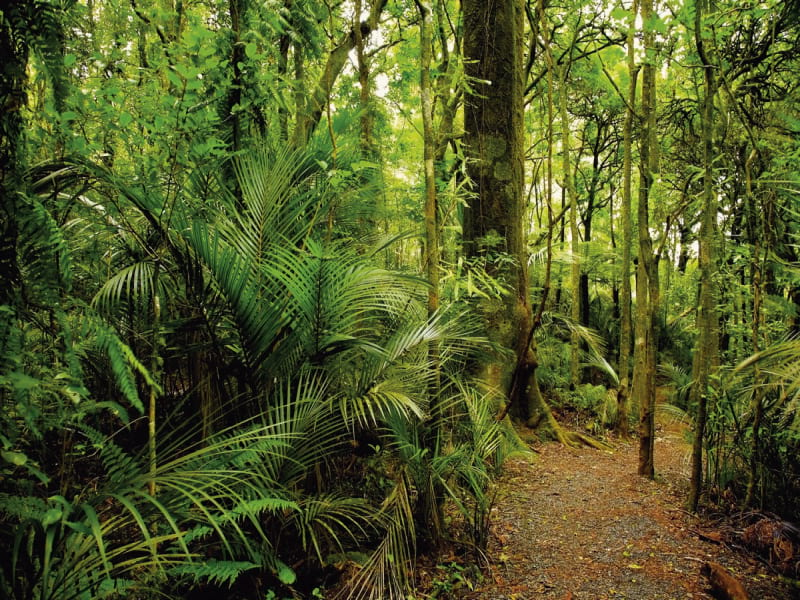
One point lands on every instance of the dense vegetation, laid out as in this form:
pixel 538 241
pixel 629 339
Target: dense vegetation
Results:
pixel 272 271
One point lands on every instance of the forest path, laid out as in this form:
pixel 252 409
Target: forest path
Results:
pixel 580 524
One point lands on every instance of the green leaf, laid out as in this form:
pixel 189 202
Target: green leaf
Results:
pixel 22 382
pixel 286 574
pixel 620 14
pixel 69 60
pixel 52 516
pixel 15 458
pixel 125 119
pixel 175 79
pixel 251 50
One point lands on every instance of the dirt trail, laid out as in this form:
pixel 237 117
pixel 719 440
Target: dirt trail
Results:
pixel 580 524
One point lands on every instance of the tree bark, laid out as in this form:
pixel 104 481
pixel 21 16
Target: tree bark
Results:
pixel 493 131
pixel 706 357
pixel 572 198
pixel 627 234
pixel 646 269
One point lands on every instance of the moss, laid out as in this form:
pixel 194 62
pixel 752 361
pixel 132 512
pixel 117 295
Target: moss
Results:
pixel 503 171
pixel 494 147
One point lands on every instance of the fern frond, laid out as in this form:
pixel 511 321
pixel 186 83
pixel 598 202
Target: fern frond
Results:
pixel 44 255
pixel 220 572
pixel 22 508
pixel 124 363
pixel 119 465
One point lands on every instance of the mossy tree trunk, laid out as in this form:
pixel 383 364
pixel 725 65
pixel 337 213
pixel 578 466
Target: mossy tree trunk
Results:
pixel 493 134
pixel 647 266
pixel 494 221
pixel 626 327
pixel 706 357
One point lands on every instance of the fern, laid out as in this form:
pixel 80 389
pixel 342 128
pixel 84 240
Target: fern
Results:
pixel 123 362
pixel 22 508
pixel 258 506
pixel 387 573
pixel 118 464
pixel 220 572
pixel 43 252
pixel 10 340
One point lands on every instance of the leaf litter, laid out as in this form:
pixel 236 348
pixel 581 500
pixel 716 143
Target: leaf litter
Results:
pixel 580 524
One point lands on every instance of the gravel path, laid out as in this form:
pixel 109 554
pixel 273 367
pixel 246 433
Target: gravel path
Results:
pixel 580 524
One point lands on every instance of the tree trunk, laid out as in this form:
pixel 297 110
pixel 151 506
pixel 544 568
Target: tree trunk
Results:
pixel 316 101
pixel 627 235
pixel 706 357
pixel 430 506
pixel 646 275
pixel 12 137
pixel 493 132
pixel 572 198
pixel 756 406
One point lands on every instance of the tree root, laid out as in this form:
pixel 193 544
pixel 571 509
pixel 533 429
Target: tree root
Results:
pixel 581 439
pixel 548 428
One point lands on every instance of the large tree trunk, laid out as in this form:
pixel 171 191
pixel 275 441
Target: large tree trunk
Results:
pixel 12 137
pixel 494 129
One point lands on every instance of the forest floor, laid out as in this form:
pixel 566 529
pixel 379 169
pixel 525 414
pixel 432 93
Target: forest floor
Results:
pixel 580 524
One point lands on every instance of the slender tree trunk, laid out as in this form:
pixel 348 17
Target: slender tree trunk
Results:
pixel 155 361
pixel 429 149
pixel 316 101
pixel 299 133
pixel 644 348
pixel 430 504
pixel 284 43
pixel 365 102
pixel 623 394
pixel 237 9
pixel 706 357
pixel 756 406
pixel 575 266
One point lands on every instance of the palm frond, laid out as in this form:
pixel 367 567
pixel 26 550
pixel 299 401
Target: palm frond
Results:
pixel 260 315
pixel 325 520
pixel 780 365
pixel 133 284
pixel 387 573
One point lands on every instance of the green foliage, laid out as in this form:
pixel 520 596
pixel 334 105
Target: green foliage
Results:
pixel 43 253
pixel 165 241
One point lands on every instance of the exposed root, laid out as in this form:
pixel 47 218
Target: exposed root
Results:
pixel 548 428
pixel 579 439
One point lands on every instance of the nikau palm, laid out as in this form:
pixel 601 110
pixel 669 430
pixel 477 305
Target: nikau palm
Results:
pixel 326 345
